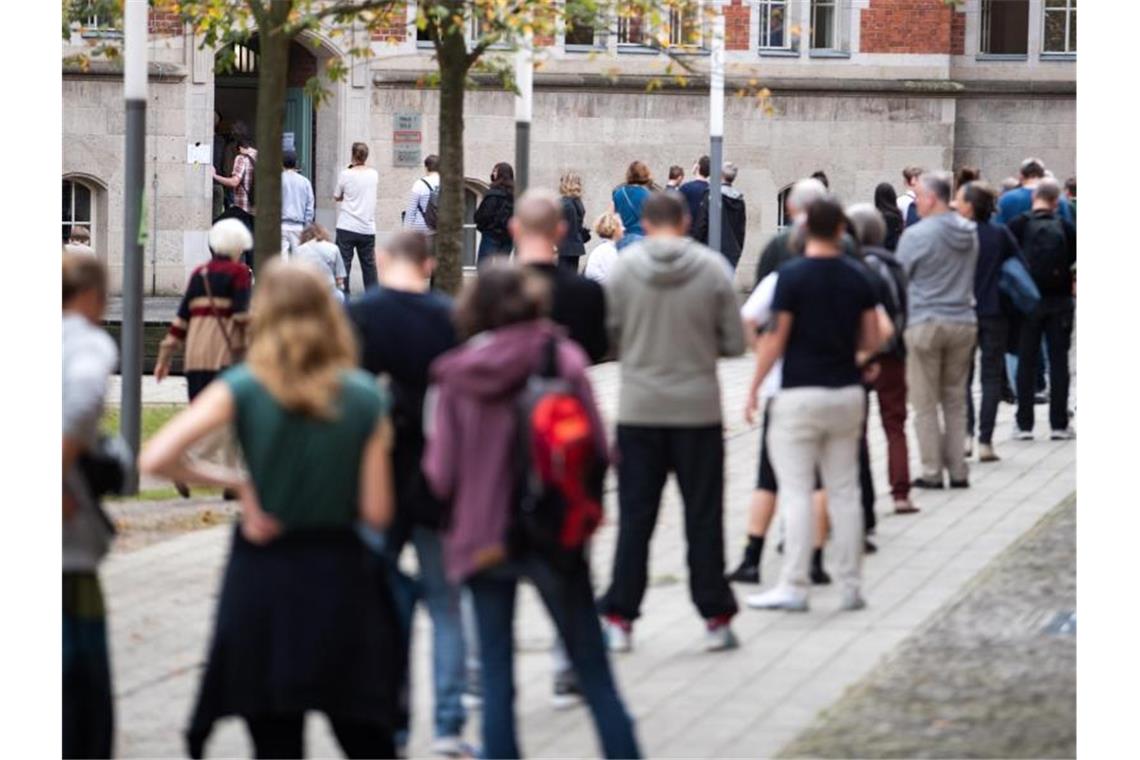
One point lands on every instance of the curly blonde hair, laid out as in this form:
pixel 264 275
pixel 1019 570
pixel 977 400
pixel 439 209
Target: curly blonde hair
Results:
pixel 300 339
pixel 570 184
pixel 609 226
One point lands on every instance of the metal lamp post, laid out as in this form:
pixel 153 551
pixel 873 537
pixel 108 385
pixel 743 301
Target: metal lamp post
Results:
pixel 134 92
pixel 716 123
pixel 524 102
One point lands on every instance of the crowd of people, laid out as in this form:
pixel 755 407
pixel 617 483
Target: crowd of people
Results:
pixel 469 428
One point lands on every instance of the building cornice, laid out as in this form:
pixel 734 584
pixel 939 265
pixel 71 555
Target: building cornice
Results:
pixel 103 69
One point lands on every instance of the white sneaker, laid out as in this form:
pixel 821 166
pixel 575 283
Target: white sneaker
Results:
pixel 779 598
pixel 1022 435
pixel 720 638
pixel 619 638
pixel 451 746
pixel 1068 434
pixel 852 600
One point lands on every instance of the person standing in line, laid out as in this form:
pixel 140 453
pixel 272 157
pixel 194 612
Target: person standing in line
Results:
pixel 732 214
pixel 89 358
pixel 906 200
pixel 602 259
pixel 297 204
pixel 79 241
pixel 1019 200
pixel 964 176
pixel 672 314
pixel 676 178
pixel 469 462
pixel 890 381
pixel 572 246
pixel 305 619
pixel 494 214
pixel 976 201
pixel 757 315
pixel 887 204
pixel 788 243
pixel 211 325
pixel 827 327
pixel 402 327
pixel 629 198
pixel 1071 195
pixel 419 197
pixel 356 219
pixel 821 175
pixel 694 190
pixel 240 179
pixel 1049 243
pixel 316 248
pixel 939 256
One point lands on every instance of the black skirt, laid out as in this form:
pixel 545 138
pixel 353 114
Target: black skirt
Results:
pixel 306 622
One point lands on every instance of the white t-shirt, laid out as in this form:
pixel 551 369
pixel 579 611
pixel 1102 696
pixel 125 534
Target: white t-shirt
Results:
pixel 905 200
pixel 357 190
pixel 758 310
pixel 601 260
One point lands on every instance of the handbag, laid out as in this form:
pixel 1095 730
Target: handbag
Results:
pixel 236 354
pixel 1018 285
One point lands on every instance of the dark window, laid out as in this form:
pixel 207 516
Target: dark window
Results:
pixel 76 207
pixel 579 34
pixel 1005 27
pixel 782 220
pixel 1060 26
pixel 824 25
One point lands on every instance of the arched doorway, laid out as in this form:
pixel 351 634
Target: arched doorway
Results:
pixel 85 205
pixel 235 98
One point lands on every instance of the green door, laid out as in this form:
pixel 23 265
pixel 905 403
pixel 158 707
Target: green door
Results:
pixel 299 124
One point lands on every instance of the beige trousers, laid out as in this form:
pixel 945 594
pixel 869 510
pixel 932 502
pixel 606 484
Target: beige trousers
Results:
pixel 819 427
pixel 938 363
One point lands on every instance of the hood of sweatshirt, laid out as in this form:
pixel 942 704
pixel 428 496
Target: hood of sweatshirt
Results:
pixel 495 363
pixel 665 262
pixel 731 194
pixel 954 232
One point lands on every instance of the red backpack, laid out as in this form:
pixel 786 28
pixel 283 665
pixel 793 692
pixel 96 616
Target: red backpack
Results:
pixel 559 469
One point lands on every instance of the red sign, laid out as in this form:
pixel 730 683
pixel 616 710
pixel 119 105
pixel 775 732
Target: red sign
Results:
pixel 407 136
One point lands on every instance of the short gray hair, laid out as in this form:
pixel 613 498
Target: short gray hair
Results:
pixel 940 184
pixel 230 238
pixel 728 172
pixel 1048 190
pixel 870 228
pixel 804 193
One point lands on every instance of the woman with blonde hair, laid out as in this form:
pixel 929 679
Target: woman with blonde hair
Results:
pixel 630 197
pixel 573 244
pixel 318 249
pixel 604 256
pixel 210 324
pixel 304 620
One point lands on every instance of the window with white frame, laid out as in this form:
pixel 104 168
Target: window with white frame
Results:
pixel 1005 27
pixel 825 24
pixel 682 20
pixel 1060 27
pixel 783 220
pixel 775 31
pixel 78 209
pixel 686 27
pixel 98 18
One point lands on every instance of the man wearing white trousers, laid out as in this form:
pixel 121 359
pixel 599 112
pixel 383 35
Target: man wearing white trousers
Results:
pixel 826 322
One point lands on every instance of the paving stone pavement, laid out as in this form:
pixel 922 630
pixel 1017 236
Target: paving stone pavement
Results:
pixel 746 703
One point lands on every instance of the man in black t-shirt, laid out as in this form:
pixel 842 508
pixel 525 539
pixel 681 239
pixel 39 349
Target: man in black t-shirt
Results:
pixel 826 326
pixel 402 327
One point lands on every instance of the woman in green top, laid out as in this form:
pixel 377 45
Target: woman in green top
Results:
pixel 305 620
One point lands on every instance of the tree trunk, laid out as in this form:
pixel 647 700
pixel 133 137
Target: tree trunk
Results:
pixel 452 54
pixel 273 69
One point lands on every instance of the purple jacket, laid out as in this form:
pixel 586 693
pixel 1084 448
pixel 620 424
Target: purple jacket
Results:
pixel 471 431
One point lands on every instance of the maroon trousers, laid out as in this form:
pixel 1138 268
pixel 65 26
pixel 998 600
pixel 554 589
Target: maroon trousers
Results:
pixel 891 388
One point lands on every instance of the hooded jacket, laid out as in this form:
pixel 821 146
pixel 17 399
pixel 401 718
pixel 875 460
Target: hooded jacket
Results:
pixel 494 212
pixel 939 256
pixel 671 313
pixel 471 428
pixel 733 223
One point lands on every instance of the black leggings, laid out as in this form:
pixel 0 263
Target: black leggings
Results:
pixel 283 736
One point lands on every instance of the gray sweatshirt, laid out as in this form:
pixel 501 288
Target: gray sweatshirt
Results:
pixel 89 357
pixel 671 313
pixel 939 256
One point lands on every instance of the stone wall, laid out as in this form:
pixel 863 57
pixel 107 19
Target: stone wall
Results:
pixel 996 134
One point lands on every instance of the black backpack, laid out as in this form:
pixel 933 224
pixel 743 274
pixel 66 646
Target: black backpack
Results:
pixel 1046 248
pixel 431 212
pixel 888 268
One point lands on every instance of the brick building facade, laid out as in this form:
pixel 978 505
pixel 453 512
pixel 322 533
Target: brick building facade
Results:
pixel 859 89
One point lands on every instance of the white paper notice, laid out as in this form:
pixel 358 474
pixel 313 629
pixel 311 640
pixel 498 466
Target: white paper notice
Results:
pixel 199 153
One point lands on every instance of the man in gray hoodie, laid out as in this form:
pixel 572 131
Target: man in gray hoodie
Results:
pixel 671 314
pixel 939 255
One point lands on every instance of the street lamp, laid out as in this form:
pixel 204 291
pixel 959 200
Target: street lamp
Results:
pixel 524 103
pixel 134 92
pixel 716 122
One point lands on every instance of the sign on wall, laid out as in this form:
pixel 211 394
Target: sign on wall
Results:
pixel 407 139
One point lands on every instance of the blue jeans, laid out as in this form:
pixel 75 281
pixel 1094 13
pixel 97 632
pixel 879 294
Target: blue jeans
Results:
pixel 570 602
pixel 629 238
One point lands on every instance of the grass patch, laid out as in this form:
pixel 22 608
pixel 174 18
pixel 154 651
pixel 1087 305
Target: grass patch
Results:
pixel 154 416
pixel 169 494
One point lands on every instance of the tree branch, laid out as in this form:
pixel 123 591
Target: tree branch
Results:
pixel 346 8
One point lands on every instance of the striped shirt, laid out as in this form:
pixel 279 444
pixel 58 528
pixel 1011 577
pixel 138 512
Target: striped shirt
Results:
pixel 196 324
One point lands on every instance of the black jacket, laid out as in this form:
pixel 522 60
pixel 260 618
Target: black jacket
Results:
pixel 574 243
pixel 732 226
pixel 891 287
pixel 495 210
pixel 579 305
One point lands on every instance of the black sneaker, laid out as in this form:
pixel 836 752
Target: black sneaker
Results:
pixel 959 483
pixel 924 483
pixel 819 577
pixel 869 546
pixel 745 574
pixel 566 691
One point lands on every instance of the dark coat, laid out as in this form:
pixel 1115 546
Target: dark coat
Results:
pixel 732 226
pixel 574 242
pixel 495 210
